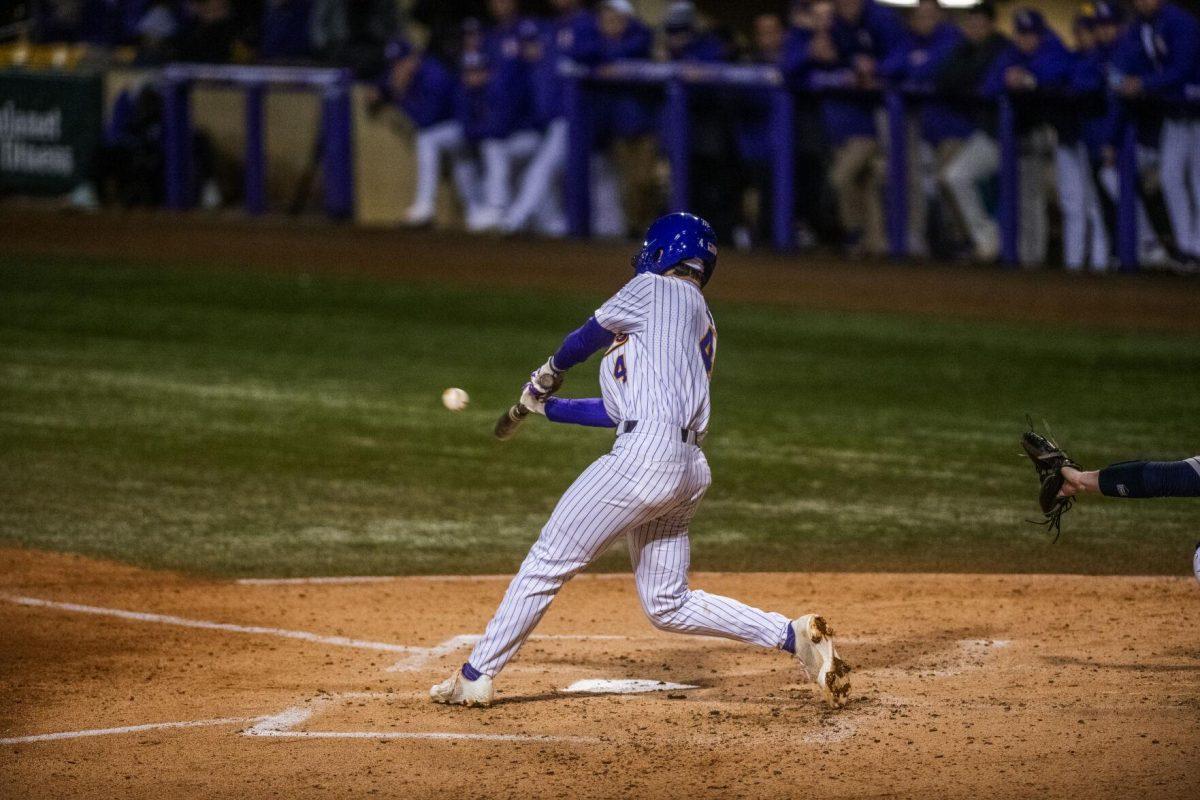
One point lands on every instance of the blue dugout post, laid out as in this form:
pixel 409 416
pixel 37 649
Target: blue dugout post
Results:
pixel 897 174
pixel 783 156
pixel 255 170
pixel 578 169
pixel 1009 210
pixel 677 143
pixel 177 143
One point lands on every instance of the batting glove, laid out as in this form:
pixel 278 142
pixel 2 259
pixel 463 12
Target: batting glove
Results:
pixel 546 380
pixel 531 400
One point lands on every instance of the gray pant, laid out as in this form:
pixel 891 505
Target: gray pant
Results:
pixel 976 161
pixel 979 160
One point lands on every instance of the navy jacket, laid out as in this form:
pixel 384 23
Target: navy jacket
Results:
pixel 916 62
pixel 430 96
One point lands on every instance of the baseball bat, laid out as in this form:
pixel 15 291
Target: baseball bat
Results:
pixel 510 421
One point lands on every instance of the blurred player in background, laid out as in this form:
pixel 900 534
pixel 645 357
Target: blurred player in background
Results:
pixel 1036 60
pixel 424 89
pixel 508 136
pixel 626 128
pixel 1157 58
pixel 1109 26
pixel 941 127
pixel 978 159
pixel 711 145
pixel 1085 237
pixel 572 34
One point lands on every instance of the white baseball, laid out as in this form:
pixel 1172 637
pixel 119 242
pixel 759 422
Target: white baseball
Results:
pixel 455 399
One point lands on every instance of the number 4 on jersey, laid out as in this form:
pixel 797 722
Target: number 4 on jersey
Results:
pixel 708 349
pixel 619 371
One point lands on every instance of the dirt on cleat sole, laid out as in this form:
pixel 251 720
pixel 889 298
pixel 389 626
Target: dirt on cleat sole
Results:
pixel 818 629
pixel 837 683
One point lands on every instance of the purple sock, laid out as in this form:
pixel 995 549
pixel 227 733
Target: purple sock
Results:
pixel 789 642
pixel 470 673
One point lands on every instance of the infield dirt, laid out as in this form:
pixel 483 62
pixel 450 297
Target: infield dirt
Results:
pixel 965 686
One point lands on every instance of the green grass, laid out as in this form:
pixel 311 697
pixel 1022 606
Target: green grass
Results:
pixel 243 424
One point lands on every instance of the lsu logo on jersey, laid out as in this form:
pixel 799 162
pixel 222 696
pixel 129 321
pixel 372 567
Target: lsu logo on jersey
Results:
pixel 708 349
pixel 618 340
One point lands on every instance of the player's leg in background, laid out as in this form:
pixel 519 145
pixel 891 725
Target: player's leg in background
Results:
pixel 540 178
pixel 497 182
pixel 920 158
pixel 467 181
pixel 609 220
pixel 1099 246
pixel 661 553
pixel 1069 171
pixel 600 505
pixel 1032 169
pixel 977 160
pixel 852 177
pixel 1176 155
pixel 1194 181
pixel 952 228
pixel 1150 249
pixel 431 142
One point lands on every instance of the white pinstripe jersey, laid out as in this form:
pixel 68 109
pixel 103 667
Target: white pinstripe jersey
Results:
pixel 660 363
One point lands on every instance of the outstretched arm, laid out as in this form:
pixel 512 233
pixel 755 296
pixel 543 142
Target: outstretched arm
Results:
pixel 1136 479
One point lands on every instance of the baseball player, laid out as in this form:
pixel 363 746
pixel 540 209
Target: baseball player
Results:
pixel 1158 56
pixel 1037 59
pixel 571 35
pixel 864 33
pixel 1085 237
pixel 1061 479
pixel 659 343
pixel 510 139
pixel 930 42
pixel 425 90
pixel 1109 27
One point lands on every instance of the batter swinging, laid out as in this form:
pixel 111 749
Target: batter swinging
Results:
pixel 661 343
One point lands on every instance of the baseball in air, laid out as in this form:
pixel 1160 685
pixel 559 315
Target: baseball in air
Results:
pixel 455 399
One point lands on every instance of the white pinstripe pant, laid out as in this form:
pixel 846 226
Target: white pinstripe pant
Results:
pixel 648 489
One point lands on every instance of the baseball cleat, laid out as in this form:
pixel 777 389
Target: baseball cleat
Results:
pixel 814 649
pixel 458 690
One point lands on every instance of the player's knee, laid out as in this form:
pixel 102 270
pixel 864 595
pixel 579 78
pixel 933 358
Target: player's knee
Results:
pixel 666 612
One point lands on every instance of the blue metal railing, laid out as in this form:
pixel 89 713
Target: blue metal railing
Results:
pixel 336 131
pixel 677 80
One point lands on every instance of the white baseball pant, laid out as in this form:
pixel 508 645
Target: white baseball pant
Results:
pixel 444 138
pixel 539 197
pixel 1150 249
pixel 977 160
pixel 646 489
pixel 501 159
pixel 1085 238
pixel 1180 177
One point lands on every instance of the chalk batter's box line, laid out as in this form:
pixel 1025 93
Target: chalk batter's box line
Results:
pixel 283 724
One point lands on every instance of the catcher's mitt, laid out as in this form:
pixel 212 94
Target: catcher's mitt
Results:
pixel 1049 459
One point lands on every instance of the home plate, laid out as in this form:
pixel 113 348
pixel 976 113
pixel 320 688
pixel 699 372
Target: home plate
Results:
pixel 624 686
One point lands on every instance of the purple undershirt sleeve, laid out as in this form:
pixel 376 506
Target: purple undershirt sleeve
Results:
pixel 587 411
pixel 581 343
